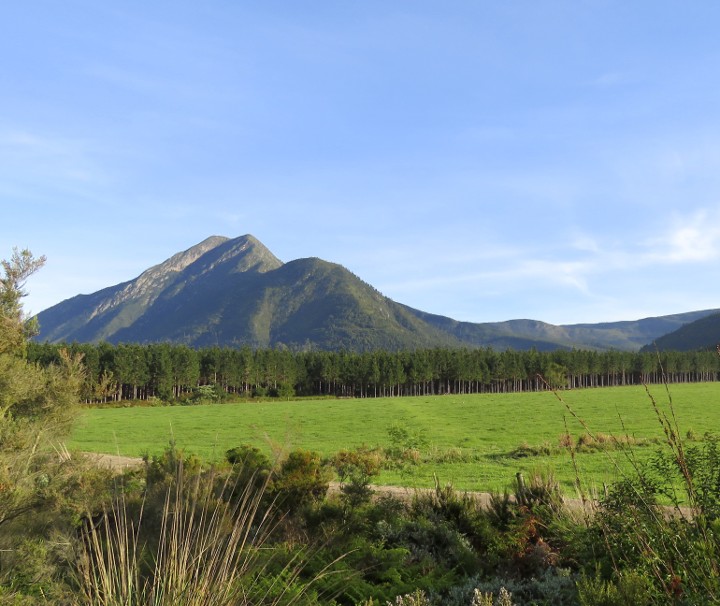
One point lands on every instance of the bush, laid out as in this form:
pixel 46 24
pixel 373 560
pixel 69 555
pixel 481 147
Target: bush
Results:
pixel 301 480
pixel 629 588
pixel 405 446
pixel 674 551
pixel 355 470
pixel 554 587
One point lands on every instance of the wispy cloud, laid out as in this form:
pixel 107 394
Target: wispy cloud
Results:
pixel 29 155
pixel 585 265
pixel 609 79
pixel 692 239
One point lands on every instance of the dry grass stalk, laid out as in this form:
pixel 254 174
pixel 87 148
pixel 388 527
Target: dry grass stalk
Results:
pixel 209 552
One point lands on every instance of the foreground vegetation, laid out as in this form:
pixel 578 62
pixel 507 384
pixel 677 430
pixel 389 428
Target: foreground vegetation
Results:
pixel 250 528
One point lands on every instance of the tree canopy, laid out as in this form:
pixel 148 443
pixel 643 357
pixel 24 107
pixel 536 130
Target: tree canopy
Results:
pixel 15 328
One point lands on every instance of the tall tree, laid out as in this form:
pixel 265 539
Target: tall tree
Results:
pixel 15 327
pixel 36 402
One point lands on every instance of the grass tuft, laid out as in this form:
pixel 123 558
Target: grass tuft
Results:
pixel 209 551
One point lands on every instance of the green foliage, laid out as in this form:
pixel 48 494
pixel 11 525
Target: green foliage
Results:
pixel 628 588
pixel 32 569
pixel 250 467
pixel 416 598
pixel 42 489
pixel 250 457
pixel 301 480
pixel 355 470
pixel 284 391
pixel 204 394
pixel 677 551
pixel 115 373
pixel 553 587
pixel 540 491
pixel 162 469
pixel 208 551
pixel 405 446
pixel 679 554
pixel 701 463
pixel 15 328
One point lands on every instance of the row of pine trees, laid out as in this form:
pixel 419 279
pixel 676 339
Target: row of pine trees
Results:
pixel 176 372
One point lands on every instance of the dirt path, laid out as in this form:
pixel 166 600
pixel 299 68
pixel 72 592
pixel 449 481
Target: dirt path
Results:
pixel 120 463
pixel 404 493
pixel 114 462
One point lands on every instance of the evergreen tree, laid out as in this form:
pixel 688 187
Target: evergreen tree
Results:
pixel 37 404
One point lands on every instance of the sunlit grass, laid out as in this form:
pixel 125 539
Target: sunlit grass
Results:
pixel 485 427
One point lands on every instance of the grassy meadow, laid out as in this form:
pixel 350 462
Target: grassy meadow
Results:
pixel 475 442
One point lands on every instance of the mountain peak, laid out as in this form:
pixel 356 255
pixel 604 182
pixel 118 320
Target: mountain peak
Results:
pixel 181 260
pixel 231 291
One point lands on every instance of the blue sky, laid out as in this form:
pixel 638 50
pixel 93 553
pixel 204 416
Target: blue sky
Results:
pixel 558 161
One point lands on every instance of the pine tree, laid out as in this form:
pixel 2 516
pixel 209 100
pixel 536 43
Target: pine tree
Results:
pixel 37 403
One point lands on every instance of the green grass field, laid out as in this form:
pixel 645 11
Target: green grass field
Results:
pixel 485 427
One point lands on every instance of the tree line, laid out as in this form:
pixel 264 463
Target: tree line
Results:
pixel 177 372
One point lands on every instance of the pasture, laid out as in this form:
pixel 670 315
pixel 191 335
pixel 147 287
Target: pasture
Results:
pixel 475 442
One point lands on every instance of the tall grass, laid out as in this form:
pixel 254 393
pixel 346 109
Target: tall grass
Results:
pixel 660 522
pixel 210 551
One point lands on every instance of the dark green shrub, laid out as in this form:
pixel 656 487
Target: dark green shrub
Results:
pixel 302 479
pixel 627 588
pixel 250 467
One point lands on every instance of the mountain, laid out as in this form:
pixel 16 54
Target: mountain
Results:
pixel 524 334
pixel 703 333
pixel 232 292
pixel 235 291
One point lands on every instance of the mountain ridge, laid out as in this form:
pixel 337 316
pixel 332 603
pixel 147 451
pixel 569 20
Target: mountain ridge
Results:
pixel 233 292
pixel 703 333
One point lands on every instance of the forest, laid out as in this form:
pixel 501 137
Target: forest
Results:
pixel 168 372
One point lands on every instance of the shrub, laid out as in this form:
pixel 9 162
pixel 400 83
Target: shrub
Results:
pixel 416 598
pixel 554 587
pixel 540 490
pixel 355 470
pixel 674 550
pixel 203 394
pixel 302 479
pixel 629 588
pixel 405 445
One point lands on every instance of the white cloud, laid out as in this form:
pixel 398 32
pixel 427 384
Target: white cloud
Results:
pixel 692 239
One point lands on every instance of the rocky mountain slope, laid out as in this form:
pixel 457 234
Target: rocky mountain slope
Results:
pixel 231 292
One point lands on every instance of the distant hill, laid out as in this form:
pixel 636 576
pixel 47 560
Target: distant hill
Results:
pixel 524 334
pixel 703 333
pixel 233 292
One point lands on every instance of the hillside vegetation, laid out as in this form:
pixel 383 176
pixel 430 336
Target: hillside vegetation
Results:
pixel 702 334
pixel 234 292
